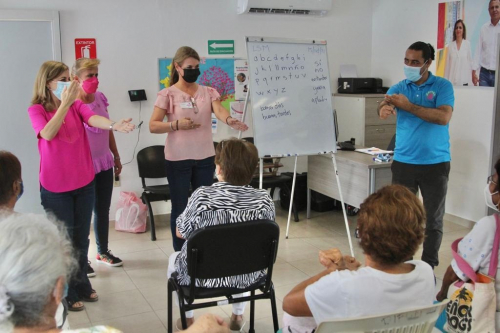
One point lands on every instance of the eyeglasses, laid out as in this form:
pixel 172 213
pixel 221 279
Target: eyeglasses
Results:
pixel 490 180
pixel 195 107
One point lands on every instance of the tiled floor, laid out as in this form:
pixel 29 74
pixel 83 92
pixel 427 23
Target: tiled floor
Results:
pixel 133 298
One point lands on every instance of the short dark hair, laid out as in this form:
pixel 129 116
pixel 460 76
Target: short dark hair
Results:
pixel 426 48
pixel 497 169
pixel 455 28
pixel 391 225
pixel 10 171
pixel 238 160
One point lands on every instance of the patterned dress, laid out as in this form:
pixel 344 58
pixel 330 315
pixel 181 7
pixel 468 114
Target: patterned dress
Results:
pixel 221 203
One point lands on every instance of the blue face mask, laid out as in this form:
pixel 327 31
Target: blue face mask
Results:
pixel 60 88
pixel 413 73
pixel 22 190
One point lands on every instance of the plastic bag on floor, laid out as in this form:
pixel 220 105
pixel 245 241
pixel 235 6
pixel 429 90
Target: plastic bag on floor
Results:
pixel 131 213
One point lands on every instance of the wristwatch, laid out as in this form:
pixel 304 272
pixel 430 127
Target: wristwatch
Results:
pixel 111 126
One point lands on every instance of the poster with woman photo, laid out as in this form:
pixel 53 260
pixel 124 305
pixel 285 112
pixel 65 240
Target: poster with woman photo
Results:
pixel 241 81
pixel 466 53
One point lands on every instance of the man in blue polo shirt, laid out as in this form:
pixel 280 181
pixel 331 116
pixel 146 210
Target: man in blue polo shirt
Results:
pixel 423 105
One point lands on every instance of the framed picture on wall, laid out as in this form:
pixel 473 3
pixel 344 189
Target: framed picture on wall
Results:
pixel 467 43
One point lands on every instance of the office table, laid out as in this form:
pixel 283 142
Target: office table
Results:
pixel 359 176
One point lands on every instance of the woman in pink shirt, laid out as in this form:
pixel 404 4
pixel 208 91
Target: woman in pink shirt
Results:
pixel 189 150
pixel 66 170
pixel 104 156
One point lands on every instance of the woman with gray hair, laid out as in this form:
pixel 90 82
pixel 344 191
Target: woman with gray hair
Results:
pixel 36 264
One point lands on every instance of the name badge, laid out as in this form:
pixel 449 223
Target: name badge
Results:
pixel 187 105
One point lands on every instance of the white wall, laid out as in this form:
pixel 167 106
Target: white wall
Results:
pixel 470 132
pixel 26 42
pixel 396 25
pixel 131 35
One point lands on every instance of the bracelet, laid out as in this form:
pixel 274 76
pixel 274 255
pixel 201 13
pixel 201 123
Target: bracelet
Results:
pixel 171 126
pixel 111 126
pixel 228 119
pixel 117 158
pixel 177 125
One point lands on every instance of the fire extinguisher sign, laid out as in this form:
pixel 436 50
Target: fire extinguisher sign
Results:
pixel 85 48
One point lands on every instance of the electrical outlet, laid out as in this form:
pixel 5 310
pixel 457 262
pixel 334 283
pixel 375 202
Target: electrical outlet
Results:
pixel 117 182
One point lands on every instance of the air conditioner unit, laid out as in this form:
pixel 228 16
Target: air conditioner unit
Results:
pixel 291 7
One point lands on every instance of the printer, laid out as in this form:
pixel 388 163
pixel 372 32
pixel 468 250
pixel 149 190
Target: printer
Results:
pixel 359 85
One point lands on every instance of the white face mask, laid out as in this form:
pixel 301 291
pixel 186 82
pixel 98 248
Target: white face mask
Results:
pixel 488 196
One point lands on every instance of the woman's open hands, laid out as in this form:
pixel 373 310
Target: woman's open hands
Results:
pixel 69 95
pixel 187 124
pixel 124 125
pixel 236 124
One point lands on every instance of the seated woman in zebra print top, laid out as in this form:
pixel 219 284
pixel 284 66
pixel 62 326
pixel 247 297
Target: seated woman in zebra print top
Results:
pixel 231 200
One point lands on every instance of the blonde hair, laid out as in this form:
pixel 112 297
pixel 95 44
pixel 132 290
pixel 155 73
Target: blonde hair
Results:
pixel 182 54
pixel 83 63
pixel 49 71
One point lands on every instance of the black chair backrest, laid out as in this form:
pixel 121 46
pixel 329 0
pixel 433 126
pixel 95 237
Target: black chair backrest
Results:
pixel 232 249
pixel 151 162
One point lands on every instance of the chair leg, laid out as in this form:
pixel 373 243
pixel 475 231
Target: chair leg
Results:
pixel 273 309
pixel 182 312
pixel 272 193
pixel 151 217
pixel 252 313
pixel 170 309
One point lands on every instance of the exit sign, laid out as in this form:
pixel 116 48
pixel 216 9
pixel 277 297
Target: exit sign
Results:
pixel 221 47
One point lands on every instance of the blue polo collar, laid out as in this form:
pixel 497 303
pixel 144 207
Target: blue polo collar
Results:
pixel 430 80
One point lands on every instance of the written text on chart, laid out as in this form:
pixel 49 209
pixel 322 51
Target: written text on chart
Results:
pixel 278 74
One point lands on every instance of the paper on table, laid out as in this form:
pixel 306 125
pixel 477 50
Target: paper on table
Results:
pixel 374 151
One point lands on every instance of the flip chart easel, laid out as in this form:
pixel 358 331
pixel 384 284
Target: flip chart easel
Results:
pixel 291 94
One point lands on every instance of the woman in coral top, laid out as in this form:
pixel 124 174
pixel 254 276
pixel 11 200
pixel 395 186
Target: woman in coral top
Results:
pixel 189 150
pixel 66 169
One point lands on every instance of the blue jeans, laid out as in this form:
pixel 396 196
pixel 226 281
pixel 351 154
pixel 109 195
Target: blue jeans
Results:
pixel 103 193
pixel 486 78
pixel 74 209
pixel 183 176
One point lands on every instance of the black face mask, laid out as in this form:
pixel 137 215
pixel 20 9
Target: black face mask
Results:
pixel 191 74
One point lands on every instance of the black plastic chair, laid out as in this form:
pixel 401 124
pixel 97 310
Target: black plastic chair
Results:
pixel 283 182
pixel 151 163
pixel 228 250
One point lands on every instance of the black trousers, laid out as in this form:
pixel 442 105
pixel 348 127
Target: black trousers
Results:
pixel 432 181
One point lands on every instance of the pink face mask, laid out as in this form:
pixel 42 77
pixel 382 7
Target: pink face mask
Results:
pixel 90 85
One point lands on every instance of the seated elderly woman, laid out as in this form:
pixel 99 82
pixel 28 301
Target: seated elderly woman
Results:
pixel 391 228
pixel 36 263
pixel 231 200
pixel 476 247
